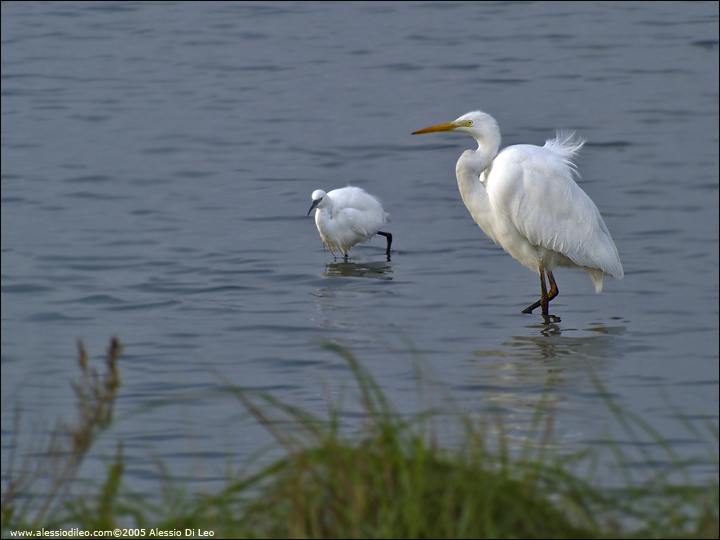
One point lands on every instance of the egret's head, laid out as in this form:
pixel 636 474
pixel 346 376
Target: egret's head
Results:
pixel 319 198
pixel 476 123
pixel 479 125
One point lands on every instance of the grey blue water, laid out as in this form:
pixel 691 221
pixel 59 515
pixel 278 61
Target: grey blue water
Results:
pixel 157 166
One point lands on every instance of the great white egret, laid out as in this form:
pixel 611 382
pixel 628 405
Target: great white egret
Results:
pixel 526 200
pixel 347 216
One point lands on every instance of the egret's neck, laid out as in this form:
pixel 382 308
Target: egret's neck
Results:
pixel 471 165
pixel 323 215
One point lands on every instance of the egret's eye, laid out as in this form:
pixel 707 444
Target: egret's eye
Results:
pixel 469 122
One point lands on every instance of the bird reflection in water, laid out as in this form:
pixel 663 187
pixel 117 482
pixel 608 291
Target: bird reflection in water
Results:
pixel 591 343
pixel 376 270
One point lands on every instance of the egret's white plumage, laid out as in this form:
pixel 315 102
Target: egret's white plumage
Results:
pixel 347 216
pixel 526 200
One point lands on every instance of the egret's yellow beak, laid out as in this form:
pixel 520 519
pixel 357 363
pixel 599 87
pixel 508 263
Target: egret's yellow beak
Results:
pixel 447 126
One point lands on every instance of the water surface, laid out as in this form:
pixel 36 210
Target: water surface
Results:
pixel 157 166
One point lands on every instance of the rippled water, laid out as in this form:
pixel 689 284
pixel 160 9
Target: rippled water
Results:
pixel 157 166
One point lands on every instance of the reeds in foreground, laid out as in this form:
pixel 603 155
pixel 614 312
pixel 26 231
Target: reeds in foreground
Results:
pixel 68 446
pixel 396 480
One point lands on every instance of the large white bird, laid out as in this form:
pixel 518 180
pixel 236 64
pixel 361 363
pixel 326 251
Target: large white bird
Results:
pixel 526 200
pixel 347 216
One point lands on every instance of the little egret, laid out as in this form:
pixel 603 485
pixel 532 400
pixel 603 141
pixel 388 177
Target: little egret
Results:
pixel 526 200
pixel 347 216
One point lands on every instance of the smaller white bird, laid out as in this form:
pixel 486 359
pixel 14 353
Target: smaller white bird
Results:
pixel 347 216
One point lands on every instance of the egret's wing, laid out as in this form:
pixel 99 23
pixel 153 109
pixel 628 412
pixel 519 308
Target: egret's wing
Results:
pixel 363 223
pixel 535 189
pixel 357 210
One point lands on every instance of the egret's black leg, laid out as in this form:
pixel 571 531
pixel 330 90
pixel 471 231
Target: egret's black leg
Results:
pixel 389 240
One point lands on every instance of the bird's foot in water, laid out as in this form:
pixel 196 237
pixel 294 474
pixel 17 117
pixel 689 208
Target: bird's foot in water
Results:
pixel 549 319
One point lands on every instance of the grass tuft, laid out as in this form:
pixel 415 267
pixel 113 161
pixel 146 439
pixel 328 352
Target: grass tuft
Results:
pixel 392 480
pixel 22 501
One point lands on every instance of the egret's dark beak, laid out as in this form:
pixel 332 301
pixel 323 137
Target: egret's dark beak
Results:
pixel 314 204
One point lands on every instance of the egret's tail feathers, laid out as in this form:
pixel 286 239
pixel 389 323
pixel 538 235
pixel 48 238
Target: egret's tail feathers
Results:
pixel 597 278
